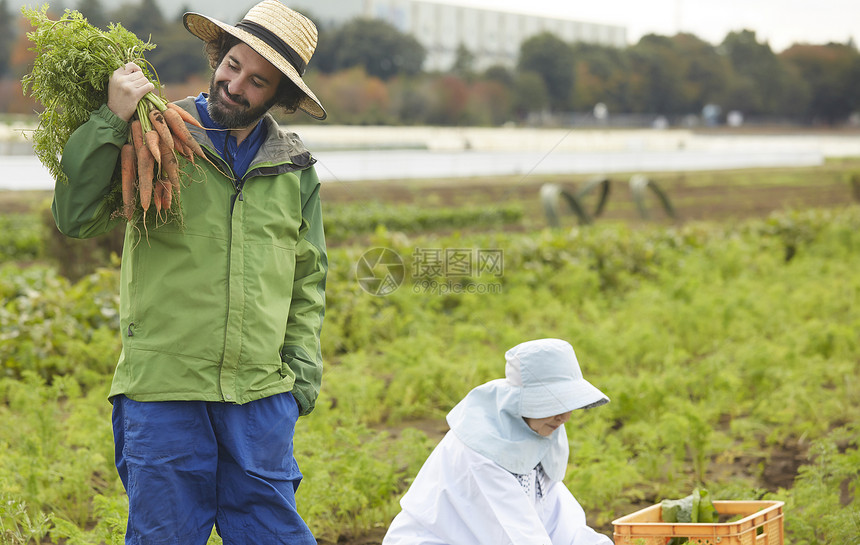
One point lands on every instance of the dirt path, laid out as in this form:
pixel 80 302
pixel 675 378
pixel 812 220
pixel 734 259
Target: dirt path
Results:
pixel 717 201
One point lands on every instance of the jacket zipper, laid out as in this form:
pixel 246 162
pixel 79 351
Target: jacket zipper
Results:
pixel 238 185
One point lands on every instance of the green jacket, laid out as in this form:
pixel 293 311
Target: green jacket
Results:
pixel 229 305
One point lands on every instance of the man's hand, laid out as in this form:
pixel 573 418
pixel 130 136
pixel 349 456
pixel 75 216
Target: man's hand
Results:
pixel 126 87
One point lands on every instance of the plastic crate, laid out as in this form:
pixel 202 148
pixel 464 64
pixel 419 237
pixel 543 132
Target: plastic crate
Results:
pixel 760 524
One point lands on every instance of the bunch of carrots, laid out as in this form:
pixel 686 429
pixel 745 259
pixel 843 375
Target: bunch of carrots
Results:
pixel 73 65
pixel 148 161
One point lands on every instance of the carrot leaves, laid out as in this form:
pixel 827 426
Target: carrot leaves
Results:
pixel 74 61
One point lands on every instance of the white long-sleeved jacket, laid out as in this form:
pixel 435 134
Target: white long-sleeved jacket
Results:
pixel 461 497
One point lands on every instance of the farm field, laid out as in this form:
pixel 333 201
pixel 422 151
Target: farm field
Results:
pixel 726 337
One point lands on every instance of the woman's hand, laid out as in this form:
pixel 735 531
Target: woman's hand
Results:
pixel 126 87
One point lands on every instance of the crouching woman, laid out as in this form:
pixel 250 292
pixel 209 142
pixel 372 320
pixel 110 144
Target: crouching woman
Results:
pixel 496 476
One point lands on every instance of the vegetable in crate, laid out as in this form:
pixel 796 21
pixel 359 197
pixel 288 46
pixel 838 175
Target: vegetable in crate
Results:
pixel 697 507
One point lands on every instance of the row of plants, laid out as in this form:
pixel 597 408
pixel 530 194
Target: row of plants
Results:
pixel 717 353
pixel 346 220
pixel 32 235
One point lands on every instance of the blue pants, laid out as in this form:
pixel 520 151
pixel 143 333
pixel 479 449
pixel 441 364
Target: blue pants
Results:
pixel 189 465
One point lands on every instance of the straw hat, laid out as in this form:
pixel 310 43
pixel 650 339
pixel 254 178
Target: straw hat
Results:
pixel 284 37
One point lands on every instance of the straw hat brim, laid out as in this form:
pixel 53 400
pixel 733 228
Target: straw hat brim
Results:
pixel 208 29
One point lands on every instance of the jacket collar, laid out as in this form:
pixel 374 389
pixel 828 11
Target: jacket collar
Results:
pixel 281 151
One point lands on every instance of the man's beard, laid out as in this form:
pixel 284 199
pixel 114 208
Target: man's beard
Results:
pixel 233 116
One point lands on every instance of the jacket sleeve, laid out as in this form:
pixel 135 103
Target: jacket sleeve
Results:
pixel 565 521
pixel 81 207
pixel 301 350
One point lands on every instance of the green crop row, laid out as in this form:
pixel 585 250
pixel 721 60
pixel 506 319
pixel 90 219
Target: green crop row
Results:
pixel 730 353
pixel 21 237
pixel 345 221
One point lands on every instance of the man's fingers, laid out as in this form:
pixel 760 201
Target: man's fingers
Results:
pixel 127 86
pixel 138 79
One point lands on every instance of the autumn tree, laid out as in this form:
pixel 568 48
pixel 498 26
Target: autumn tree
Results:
pixel 490 103
pixel 601 76
pixel 21 57
pixel 353 97
pixel 450 100
pixel 832 73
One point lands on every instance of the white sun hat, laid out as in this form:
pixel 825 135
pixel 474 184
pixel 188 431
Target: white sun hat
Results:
pixel 542 379
pixel 548 373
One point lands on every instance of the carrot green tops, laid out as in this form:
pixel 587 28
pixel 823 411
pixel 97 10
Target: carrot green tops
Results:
pixel 228 304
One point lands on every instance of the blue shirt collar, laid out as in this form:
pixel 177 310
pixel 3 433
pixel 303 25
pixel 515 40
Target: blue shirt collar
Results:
pixel 238 157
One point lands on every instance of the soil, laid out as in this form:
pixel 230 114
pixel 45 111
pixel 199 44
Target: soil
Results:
pixel 701 202
pixel 709 202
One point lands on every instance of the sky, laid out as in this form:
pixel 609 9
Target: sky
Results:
pixel 780 23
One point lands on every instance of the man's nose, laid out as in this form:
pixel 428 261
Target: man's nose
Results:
pixel 234 87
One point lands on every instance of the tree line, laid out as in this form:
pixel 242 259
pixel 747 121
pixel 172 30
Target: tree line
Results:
pixel 367 72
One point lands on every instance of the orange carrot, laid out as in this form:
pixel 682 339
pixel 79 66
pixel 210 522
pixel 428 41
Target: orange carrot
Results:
pixel 187 117
pixel 128 167
pixel 157 195
pixel 183 150
pixel 151 138
pixel 169 165
pixel 160 126
pixel 136 134
pixel 180 131
pixel 167 194
pixel 145 174
pixel 145 165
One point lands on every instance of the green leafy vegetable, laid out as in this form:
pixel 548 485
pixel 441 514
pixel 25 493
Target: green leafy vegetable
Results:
pixel 74 61
pixel 697 507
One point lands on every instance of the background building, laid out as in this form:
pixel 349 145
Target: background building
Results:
pixel 492 37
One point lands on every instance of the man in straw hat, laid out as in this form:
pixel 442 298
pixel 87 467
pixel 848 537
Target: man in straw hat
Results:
pixel 496 477
pixel 220 316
